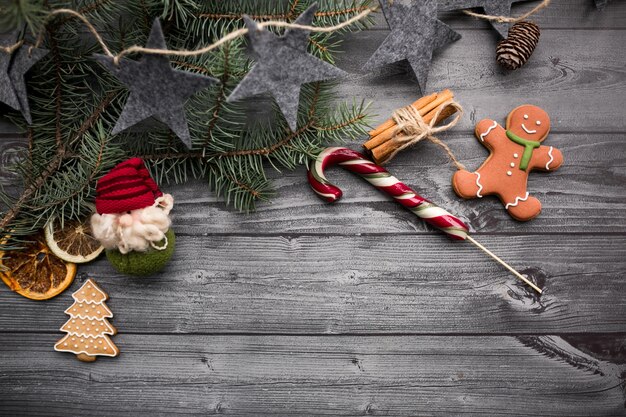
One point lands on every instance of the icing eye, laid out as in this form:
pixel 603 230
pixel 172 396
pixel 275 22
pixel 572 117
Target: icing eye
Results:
pixel 526 116
pixel 538 123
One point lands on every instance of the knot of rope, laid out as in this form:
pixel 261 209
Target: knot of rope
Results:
pixel 411 129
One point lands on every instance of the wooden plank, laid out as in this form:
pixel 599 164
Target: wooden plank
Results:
pixel 374 284
pixel 278 375
pixel 580 197
pixel 12 149
pixel 581 78
pixel 579 74
pixel 586 195
pixel 561 14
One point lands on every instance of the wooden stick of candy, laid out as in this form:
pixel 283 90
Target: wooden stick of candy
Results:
pixel 380 178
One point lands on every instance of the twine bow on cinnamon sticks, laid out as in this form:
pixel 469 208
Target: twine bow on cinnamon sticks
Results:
pixel 414 123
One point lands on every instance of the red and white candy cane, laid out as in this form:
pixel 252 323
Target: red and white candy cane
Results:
pixel 380 178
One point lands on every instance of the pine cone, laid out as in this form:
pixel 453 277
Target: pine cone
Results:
pixel 514 51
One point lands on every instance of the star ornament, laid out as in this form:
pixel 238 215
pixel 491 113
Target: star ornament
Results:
pixel 415 34
pixel 156 89
pixel 13 69
pixel 282 66
pixel 490 7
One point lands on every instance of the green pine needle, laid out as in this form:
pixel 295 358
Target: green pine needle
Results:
pixel 75 104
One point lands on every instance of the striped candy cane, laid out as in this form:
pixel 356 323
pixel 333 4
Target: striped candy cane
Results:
pixel 384 181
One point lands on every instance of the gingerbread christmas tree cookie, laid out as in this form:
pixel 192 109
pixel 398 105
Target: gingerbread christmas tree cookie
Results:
pixel 88 329
pixel 515 151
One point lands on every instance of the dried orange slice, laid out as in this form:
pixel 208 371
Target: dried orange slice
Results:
pixel 34 271
pixel 74 242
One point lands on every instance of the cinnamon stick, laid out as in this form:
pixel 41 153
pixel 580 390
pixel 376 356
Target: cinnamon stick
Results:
pixel 445 113
pixel 418 104
pixel 384 144
pixel 442 97
pixel 380 153
pixel 380 138
pixel 430 103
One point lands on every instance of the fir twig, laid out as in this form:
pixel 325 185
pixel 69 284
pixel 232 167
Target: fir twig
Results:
pixel 75 104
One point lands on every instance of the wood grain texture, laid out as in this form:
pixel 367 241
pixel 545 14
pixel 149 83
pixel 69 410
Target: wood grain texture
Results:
pixel 571 83
pixel 333 376
pixel 418 284
pixel 357 308
pixel 578 198
pixel 588 76
pixel 561 14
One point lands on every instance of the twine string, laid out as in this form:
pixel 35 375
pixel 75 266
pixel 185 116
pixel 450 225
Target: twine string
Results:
pixel 411 129
pixel 83 19
pixel 11 48
pixel 183 52
pixel 241 32
pixel 508 19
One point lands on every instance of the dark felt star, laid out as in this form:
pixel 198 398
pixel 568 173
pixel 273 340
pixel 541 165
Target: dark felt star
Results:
pixel 23 60
pixel 282 66
pixel 7 92
pixel 415 34
pixel 156 90
pixel 490 7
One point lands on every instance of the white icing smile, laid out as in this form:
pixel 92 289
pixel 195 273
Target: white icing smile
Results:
pixel 528 131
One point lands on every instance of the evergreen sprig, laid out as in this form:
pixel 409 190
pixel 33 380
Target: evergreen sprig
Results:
pixel 75 104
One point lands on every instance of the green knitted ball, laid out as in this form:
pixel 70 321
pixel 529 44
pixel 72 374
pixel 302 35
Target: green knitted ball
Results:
pixel 143 263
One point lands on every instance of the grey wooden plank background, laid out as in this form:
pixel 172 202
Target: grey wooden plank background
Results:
pixel 359 309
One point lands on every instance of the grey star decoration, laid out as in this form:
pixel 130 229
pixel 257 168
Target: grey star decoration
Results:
pixel 415 34
pixel 156 90
pixel 282 66
pixel 23 60
pixel 13 69
pixel 7 92
pixel 490 7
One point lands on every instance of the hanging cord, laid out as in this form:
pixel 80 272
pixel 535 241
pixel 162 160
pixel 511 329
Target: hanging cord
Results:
pixel 183 52
pixel 11 48
pixel 508 19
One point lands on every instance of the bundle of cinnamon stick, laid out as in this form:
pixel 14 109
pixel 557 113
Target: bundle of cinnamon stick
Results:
pixel 387 137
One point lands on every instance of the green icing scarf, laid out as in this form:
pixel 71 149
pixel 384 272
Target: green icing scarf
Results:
pixel 528 145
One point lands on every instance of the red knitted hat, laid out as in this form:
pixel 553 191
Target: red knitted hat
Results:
pixel 126 187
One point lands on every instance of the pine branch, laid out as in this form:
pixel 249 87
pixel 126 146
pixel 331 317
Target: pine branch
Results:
pixel 75 104
pixel 54 165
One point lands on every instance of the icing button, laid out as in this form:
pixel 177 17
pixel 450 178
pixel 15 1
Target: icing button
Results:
pixel 515 155
pixel 512 164
pixel 509 173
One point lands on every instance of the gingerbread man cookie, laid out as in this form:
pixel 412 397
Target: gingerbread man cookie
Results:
pixel 514 153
